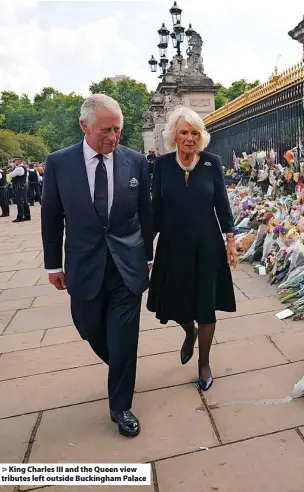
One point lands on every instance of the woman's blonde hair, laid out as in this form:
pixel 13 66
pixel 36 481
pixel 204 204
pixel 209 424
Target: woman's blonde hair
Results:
pixel 191 117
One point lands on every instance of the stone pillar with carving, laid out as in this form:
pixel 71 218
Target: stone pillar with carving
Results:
pixel 184 83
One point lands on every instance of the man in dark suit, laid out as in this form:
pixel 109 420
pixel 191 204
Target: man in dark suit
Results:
pixel 99 192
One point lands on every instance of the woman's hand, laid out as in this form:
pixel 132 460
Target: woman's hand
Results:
pixel 232 255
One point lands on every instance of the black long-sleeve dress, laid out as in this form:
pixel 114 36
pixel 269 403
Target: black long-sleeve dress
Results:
pixel 191 278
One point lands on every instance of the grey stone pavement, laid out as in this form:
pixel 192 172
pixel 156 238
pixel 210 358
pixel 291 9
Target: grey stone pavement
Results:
pixel 53 391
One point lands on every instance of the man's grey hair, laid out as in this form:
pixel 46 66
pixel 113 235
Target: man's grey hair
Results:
pixel 182 113
pixel 93 103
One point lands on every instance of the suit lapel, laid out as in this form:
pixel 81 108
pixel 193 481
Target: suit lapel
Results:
pixel 121 177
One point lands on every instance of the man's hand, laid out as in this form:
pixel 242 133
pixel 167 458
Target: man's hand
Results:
pixel 150 266
pixel 58 280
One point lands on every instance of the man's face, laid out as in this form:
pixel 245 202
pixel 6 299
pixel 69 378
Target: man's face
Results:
pixel 104 134
pixel 17 162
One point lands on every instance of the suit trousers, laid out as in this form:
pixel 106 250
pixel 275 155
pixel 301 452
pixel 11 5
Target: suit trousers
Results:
pixel 4 205
pixel 22 203
pixel 110 323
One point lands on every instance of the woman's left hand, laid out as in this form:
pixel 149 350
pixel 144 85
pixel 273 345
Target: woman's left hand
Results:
pixel 232 255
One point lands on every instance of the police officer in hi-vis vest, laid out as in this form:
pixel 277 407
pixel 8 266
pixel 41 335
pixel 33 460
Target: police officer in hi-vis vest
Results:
pixel 4 205
pixel 20 182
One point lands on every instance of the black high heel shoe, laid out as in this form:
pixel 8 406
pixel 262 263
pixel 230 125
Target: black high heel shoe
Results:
pixel 187 349
pixel 204 384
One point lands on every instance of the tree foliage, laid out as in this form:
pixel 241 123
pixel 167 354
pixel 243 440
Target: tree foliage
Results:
pixel 236 89
pixel 51 120
pixel 30 147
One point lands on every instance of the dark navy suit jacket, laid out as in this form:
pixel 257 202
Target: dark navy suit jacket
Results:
pixel 67 204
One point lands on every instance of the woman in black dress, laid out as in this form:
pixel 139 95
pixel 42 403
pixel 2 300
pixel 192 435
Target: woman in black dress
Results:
pixel 191 276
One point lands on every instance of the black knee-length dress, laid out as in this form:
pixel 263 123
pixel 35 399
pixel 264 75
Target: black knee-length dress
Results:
pixel 191 278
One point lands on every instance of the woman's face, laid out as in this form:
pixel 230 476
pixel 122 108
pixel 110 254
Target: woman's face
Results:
pixel 187 137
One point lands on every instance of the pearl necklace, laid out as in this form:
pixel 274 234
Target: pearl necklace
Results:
pixel 187 169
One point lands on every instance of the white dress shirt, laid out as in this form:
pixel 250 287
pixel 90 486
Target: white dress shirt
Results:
pixel 18 171
pixel 91 162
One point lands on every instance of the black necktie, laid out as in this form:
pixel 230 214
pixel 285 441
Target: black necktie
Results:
pixel 101 190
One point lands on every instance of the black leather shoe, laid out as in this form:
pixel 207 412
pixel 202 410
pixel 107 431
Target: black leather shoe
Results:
pixel 204 385
pixel 128 424
pixel 187 349
pixel 18 220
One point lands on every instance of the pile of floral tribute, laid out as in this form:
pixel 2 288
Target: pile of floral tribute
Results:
pixel 269 226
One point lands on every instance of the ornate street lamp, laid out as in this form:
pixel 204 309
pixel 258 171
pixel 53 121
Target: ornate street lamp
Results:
pixel 153 64
pixel 162 49
pixel 163 64
pixel 176 13
pixel 163 34
pixel 189 33
pixel 177 35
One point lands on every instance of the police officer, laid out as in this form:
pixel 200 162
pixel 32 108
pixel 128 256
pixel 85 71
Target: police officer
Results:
pixel 33 183
pixel 20 182
pixel 3 194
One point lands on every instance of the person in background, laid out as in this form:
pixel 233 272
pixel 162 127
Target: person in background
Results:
pixel 20 183
pixel 4 204
pixel 191 278
pixel 33 185
pixel 151 162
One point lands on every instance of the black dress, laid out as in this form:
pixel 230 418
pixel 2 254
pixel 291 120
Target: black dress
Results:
pixel 191 278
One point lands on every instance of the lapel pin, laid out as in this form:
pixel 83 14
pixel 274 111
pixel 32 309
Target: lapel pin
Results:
pixel 207 164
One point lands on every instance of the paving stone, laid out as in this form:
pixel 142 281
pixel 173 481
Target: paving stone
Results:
pixel 46 359
pixel 271 463
pixel 249 326
pixel 21 265
pixel 43 281
pixel 13 258
pixel 5 318
pixel 52 300
pixel 244 355
pixel 23 278
pixel 40 318
pixel 8 247
pixel 255 288
pixel 239 275
pixel 53 390
pixel 244 420
pixel 5 276
pixel 20 341
pixel 164 370
pixel 247 268
pixel 14 436
pixel 301 429
pixel 149 322
pixel 253 306
pixel 25 292
pixel 170 424
pixel 63 334
pixel 14 305
pixel 161 340
pixel 239 296
pixel 291 344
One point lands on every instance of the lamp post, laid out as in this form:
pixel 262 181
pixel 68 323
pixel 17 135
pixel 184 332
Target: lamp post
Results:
pixel 177 36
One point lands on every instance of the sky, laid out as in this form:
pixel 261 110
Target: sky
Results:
pixel 70 44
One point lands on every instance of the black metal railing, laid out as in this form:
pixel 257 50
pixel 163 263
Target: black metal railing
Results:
pixel 274 122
